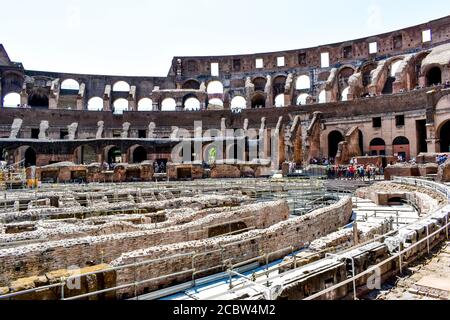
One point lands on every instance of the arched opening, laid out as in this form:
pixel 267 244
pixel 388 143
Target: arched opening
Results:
pixel 215 87
pixel 215 103
pixel 395 67
pixel 344 94
pixel 445 137
pixel 70 84
pixel 344 75
pixel 38 100
pixel 120 105
pixel 11 100
pixel 139 155
pixel 401 148
pixel 334 138
pixel 192 104
pixel 145 104
pixel 30 157
pixel 279 85
pixel 361 142
pixel 302 99
pixel 95 104
pixel 279 101
pixel 260 84
pixel 238 103
pixel 367 73
pixel 377 147
pixel 169 104
pixel 121 86
pixel 258 101
pixel 114 155
pixel 85 154
pixel 323 96
pixel 434 76
pixel 191 85
pixel 303 83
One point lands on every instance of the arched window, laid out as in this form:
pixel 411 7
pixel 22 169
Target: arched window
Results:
pixel 400 141
pixel 434 76
pixel 215 102
pixel 238 103
pixel 279 101
pixel 301 100
pixel 192 104
pixel 120 105
pixel 191 85
pixel 344 94
pixel 145 104
pixel 169 104
pixel 95 104
pixel 323 96
pixel 215 87
pixel 121 86
pixel 11 100
pixel 258 101
pixel 334 138
pixel 303 82
pixel 70 84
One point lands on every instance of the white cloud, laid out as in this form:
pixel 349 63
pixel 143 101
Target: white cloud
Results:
pixel 375 17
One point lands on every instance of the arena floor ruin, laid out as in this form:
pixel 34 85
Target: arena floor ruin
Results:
pixel 209 239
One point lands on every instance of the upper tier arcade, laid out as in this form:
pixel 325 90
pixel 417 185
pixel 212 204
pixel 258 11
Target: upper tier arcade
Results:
pixel 389 63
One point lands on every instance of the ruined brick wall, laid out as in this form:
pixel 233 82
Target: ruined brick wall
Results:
pixel 213 253
pixel 44 257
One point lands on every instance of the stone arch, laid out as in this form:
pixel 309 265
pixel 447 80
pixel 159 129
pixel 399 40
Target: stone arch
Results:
pixel 259 83
pixel 279 101
pixel 191 85
pixel 95 104
pixel 38 99
pixel 279 85
pixel 112 154
pixel 366 72
pixel 121 86
pixel 216 102
pixel 238 103
pixel 434 76
pixel 168 104
pixel 303 83
pixel 145 104
pixel 444 136
pixel 401 147
pixel 85 154
pixel 302 99
pixel 377 147
pixel 191 103
pixel 137 154
pixel 258 101
pixel 120 105
pixel 70 84
pixel 27 155
pixel 11 100
pixel 334 138
pixel 215 87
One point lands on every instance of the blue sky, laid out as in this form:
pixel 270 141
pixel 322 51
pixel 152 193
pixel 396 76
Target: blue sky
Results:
pixel 140 37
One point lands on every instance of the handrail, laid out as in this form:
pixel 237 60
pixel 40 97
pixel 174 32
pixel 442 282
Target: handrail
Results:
pixel 374 268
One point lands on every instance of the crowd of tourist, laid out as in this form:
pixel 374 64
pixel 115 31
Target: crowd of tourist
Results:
pixel 354 172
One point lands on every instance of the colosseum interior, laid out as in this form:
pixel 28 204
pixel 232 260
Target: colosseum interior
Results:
pixel 233 177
